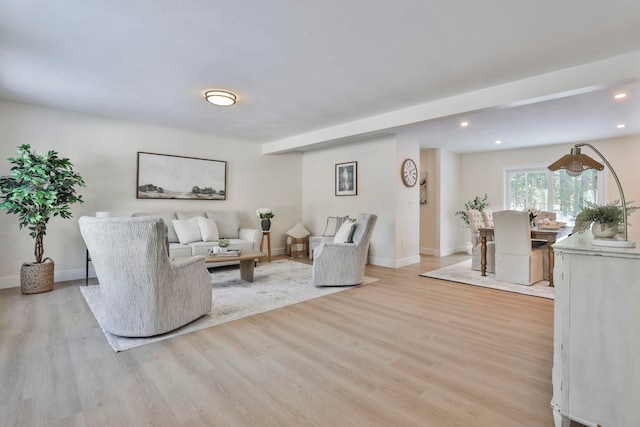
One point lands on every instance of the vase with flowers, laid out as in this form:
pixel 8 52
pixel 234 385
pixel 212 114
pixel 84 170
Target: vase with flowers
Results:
pixel 533 214
pixel 265 214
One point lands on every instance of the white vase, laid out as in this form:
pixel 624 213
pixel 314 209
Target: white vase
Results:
pixel 603 230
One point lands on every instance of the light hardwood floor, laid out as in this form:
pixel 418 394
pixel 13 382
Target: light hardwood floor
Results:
pixel 404 351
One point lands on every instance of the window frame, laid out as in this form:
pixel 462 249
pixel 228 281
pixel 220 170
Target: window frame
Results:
pixel 602 184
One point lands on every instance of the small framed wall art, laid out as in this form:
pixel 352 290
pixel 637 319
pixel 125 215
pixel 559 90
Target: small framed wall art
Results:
pixel 347 179
pixel 163 176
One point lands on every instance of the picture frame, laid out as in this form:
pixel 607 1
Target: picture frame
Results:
pixel 424 190
pixel 347 179
pixel 165 176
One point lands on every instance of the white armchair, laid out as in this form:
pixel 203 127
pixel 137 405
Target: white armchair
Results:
pixel 516 261
pixel 476 221
pixel 145 292
pixel 342 264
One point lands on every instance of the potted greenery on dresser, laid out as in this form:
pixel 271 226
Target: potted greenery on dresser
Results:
pixel 606 219
pixel 39 187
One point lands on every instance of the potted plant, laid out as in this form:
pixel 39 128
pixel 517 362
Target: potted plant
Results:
pixel 265 214
pixel 39 186
pixel 606 219
pixel 478 203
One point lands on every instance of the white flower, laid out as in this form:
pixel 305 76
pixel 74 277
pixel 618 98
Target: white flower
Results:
pixel 264 213
pixel 533 213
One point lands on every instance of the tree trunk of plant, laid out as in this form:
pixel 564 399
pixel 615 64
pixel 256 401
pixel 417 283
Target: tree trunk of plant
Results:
pixel 39 245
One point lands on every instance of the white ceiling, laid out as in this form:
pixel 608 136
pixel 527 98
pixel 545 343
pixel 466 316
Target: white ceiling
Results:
pixel 300 67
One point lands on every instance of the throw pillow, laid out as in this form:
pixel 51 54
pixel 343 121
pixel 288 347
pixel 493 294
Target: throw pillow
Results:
pixel 187 230
pixel 333 225
pixel 208 229
pixel 345 233
pixel 298 232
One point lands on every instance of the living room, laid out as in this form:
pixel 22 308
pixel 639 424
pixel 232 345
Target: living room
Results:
pixel 405 351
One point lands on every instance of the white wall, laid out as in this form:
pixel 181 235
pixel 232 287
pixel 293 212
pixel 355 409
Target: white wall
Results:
pixel 407 207
pixel 104 152
pixel 429 230
pixel 484 172
pixel 379 189
pixel 449 188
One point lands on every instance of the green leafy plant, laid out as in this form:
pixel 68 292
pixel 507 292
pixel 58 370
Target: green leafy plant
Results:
pixel 224 243
pixel 609 214
pixel 39 186
pixel 478 203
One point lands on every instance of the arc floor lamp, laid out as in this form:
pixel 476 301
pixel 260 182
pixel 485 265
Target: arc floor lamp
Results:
pixel 575 163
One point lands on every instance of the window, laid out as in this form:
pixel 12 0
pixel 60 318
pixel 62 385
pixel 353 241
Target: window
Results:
pixel 551 191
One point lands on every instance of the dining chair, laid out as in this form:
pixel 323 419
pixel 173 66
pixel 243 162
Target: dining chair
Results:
pixel 516 261
pixel 487 214
pixel 476 221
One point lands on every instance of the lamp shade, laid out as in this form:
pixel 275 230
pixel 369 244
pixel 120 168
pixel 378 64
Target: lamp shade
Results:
pixel 575 163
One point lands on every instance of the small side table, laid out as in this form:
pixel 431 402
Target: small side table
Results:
pixel 86 269
pixel 266 234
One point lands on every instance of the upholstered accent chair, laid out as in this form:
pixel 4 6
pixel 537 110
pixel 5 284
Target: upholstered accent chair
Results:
pixel 342 264
pixel 516 260
pixel 145 292
pixel 476 221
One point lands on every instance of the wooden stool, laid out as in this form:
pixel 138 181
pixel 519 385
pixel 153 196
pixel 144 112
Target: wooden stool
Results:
pixel 266 234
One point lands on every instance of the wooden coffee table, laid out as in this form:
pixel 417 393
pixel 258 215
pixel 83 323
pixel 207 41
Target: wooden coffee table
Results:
pixel 246 258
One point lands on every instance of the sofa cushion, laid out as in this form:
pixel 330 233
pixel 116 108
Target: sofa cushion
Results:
pixel 167 217
pixel 177 250
pixel 227 222
pixel 189 215
pixel 208 229
pixel 187 230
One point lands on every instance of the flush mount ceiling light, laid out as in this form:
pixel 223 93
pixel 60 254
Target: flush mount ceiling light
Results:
pixel 220 97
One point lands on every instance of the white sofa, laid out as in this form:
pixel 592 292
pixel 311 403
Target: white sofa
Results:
pixel 228 224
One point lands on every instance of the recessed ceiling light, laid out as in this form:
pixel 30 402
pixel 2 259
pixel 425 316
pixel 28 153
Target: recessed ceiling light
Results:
pixel 220 97
pixel 498 141
pixel 620 95
pixel 464 124
pixel 621 125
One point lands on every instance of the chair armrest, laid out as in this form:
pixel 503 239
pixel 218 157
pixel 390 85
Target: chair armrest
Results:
pixel 252 235
pixel 347 251
pixel 183 262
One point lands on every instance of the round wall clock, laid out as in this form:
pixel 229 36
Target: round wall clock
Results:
pixel 409 173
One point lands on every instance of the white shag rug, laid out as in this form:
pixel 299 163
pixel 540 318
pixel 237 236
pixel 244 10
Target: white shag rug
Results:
pixel 462 273
pixel 276 284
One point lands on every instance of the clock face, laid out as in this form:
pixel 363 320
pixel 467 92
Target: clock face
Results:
pixel 409 173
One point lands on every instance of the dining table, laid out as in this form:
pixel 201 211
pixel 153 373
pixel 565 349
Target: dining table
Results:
pixel 550 235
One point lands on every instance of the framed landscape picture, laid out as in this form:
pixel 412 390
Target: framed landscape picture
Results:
pixel 163 176
pixel 347 179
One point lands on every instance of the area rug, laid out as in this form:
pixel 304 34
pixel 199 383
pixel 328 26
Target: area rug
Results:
pixel 462 273
pixel 276 284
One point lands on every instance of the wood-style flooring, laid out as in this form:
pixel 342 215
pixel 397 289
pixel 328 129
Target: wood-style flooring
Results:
pixel 404 351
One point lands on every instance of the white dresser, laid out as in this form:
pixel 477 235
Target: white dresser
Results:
pixel 596 361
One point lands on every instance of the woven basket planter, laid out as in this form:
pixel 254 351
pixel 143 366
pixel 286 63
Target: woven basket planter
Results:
pixel 36 278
